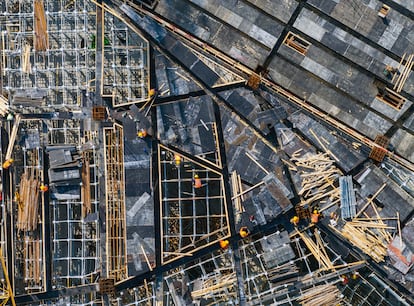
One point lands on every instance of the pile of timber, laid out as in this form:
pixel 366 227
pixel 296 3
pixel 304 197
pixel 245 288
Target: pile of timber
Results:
pixel 327 294
pixel 41 40
pixel 371 236
pixel 216 287
pixel 28 202
pixel 318 174
pixel 4 105
pixel 86 187
pixel 317 248
pixel 32 255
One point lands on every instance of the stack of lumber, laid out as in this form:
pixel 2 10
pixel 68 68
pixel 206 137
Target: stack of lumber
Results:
pixel 318 174
pixel 4 105
pixel 216 286
pixel 317 249
pixel 28 202
pixel 26 65
pixel 372 237
pixel 86 187
pixel 327 295
pixel 41 40
pixel 32 253
pixel 12 138
pixel 237 192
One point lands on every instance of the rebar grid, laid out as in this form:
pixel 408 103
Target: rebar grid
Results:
pixel 67 67
pixel 76 237
pixel 192 217
pixel 126 72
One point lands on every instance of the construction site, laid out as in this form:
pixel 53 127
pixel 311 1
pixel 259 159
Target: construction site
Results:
pixel 207 152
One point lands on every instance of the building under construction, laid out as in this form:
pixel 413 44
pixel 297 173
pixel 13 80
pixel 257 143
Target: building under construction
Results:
pixel 179 152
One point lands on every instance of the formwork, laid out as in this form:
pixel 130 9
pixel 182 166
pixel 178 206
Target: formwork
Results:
pixel 191 217
pixel 64 64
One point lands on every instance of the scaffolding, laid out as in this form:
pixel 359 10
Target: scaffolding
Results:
pixel 115 202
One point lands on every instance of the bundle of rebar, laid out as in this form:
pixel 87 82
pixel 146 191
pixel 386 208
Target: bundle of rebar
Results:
pixel 327 295
pixel 213 286
pixel 28 202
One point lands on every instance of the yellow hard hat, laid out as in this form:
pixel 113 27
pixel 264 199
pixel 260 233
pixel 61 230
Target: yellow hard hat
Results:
pixel 196 176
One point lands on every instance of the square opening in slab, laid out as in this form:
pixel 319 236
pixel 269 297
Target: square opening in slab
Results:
pixel 391 98
pixel 297 43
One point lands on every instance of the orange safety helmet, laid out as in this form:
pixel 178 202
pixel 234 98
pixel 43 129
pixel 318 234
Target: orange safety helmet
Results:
pixel 142 133
pixel 224 244
pixel 177 159
pixel 244 232
pixel 295 220
pixel 8 163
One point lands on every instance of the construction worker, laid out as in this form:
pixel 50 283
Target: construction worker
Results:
pixel 224 244
pixel 315 216
pixel 333 220
pixel 244 232
pixel 44 188
pixel 142 133
pixel 177 159
pixel 197 182
pixel 151 92
pixel 8 163
pixel 355 275
pixel 295 220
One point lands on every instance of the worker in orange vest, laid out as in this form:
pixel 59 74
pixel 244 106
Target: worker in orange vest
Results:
pixel 151 92
pixel 197 182
pixel 8 163
pixel 44 188
pixel 294 220
pixel 244 232
pixel 224 244
pixel 315 216
pixel 142 133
